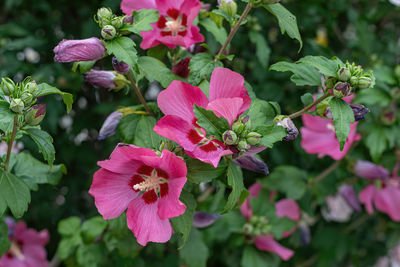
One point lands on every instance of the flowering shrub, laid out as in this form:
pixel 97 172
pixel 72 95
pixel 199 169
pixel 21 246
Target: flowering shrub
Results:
pixel 212 136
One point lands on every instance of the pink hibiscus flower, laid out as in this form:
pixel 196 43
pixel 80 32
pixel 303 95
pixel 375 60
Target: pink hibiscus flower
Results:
pixel 318 136
pixel 175 25
pixel 147 185
pixel 27 247
pixel 386 197
pixel 228 99
pixel 284 208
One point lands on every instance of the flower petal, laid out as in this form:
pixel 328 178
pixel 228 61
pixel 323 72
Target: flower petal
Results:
pixel 228 108
pixel 388 200
pixel 267 243
pixel 250 162
pixel 366 197
pixel 369 170
pixel 127 6
pixel 169 205
pixel 288 208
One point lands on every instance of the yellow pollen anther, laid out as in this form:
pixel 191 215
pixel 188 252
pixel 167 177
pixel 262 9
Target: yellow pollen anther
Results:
pixel 150 183
pixel 175 27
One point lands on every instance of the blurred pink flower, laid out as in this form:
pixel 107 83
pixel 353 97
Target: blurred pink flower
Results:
pixel 147 185
pixel 175 24
pixel 27 247
pixel 284 208
pixel 228 99
pixel 79 50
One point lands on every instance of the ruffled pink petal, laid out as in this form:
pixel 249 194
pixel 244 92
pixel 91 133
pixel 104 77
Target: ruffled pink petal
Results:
pixel 316 124
pixel 228 108
pixel 150 39
pixel 173 165
pixel 288 208
pixel 164 5
pixel 112 192
pixel 267 243
pixel 35 255
pixel 211 157
pixel 225 83
pixel 387 200
pixel 245 208
pixel 196 37
pixel 178 99
pixel 31 236
pixel 367 196
pixel 254 190
pixel 169 205
pixel 14 262
pixel 191 8
pixel 127 6
pixel 145 223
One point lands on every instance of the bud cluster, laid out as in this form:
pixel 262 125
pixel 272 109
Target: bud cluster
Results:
pixel 241 136
pixel 110 24
pixel 228 6
pixel 291 130
pixel 22 98
pixel 257 225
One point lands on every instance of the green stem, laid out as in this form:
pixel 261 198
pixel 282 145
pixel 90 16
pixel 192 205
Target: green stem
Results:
pixel 139 94
pixel 307 108
pixel 11 142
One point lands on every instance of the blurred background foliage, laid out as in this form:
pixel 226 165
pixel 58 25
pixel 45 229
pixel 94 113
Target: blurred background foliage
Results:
pixel 363 31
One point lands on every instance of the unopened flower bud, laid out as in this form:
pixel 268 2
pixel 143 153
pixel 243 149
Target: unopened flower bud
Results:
pixel 117 22
pixel 364 82
pixel 348 193
pixel 17 105
pixel 108 32
pixel 344 74
pixel 238 127
pixel 228 6
pixel 243 146
pixel 31 87
pixel 250 162
pixel 35 115
pixel 104 14
pixel 8 86
pixel 253 138
pixel 203 219
pixel 248 229
pixel 291 129
pixel 369 170
pixel 246 120
pixel 330 82
pixel 120 67
pixel 322 108
pixel 27 98
pixel 253 219
pixel 353 81
pixel 128 19
pixel 230 137
pixel 106 79
pixel 110 125
pixel 79 50
pixel 182 68
pixel 359 111
pixel 266 229
pixel 342 89
pixel 388 117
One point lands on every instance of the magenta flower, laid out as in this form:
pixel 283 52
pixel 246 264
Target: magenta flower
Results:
pixel 385 196
pixel 175 25
pixel 79 50
pixel 27 247
pixel 284 208
pixel 228 99
pixel 147 185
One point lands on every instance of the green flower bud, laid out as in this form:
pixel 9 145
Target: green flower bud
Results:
pixel 35 115
pixel 104 14
pixel 8 86
pixel 120 81
pixel 31 87
pixel 266 230
pixel 353 81
pixel 253 138
pixel 17 105
pixel 342 89
pixel 248 229
pixel 238 127
pixel 228 6
pixel 27 98
pixel 243 146
pixel 229 137
pixel 330 82
pixel 344 74
pixel 108 32
pixel 322 108
pixel 117 22
pixel 257 232
pixel 253 219
pixel 364 82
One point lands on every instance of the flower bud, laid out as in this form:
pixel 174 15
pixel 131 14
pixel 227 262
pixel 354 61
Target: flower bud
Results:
pixel 364 82
pixel 344 74
pixel 108 32
pixel 203 219
pixel 342 89
pixel 369 170
pixel 120 82
pixel 243 146
pixel 8 86
pixel 248 229
pixel 27 98
pixel 17 105
pixel 330 82
pixel 128 19
pixel 117 22
pixel 229 137
pixel 104 14
pixel 353 81
pixel 120 67
pixel 228 6
pixel 106 79
pixel 35 115
pixel 251 163
pixel 110 125
pixel 266 229
pixel 359 111
pixel 388 117
pixel 291 129
pixel 253 138
pixel 79 50
pixel 349 195
pixel 238 127
pixel 182 68
pixel 31 87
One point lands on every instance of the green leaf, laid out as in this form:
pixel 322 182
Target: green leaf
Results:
pixel 261 113
pixel 239 192
pixel 200 172
pixel 328 67
pixel 142 21
pixel 303 74
pixel 253 257
pixel 201 66
pixel 287 21
pixel 67 245
pixel 90 255
pixel 83 66
pixel 14 193
pixel 69 226
pixel 4 241
pixel 34 172
pixel 213 124
pixel 287 179
pixel 145 136
pixel 183 223
pixel 155 70
pixel 376 142
pixel 6 117
pixel 342 117
pixel 263 51
pixel 93 227
pixel 46 89
pixel 271 134
pixel 123 48
pixel 307 99
pixel 195 253
pixel 219 33
pixel 44 141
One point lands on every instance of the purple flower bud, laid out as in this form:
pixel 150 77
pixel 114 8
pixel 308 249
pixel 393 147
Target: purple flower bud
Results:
pixel 348 193
pixel 121 67
pixel 203 219
pixel 291 129
pixel 368 170
pixel 110 125
pixel 359 111
pixel 305 233
pixel 251 163
pixel 342 89
pixel 79 50
pixel 182 68
pixel 101 78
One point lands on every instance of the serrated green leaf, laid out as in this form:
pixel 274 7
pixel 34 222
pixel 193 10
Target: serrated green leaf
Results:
pixel 303 74
pixel 376 142
pixel 46 89
pixel 263 51
pixel 142 20
pixel 261 113
pixel 213 124
pixel 343 116
pixel 219 33
pixel 271 134
pixel 328 67
pixel 44 141
pixel 6 117
pixel 253 257
pixel 90 255
pixel 144 135
pixel 200 172
pixel 235 181
pixel 155 70
pixel 123 48
pixel 201 66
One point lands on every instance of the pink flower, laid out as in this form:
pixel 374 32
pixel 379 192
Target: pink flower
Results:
pixel 228 99
pixel 385 198
pixel 148 186
pixel 79 50
pixel 175 25
pixel 27 247
pixel 284 208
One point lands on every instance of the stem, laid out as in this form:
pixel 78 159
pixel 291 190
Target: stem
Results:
pixel 328 171
pixel 234 29
pixel 11 142
pixel 205 194
pixel 139 94
pixel 55 261
pixel 307 108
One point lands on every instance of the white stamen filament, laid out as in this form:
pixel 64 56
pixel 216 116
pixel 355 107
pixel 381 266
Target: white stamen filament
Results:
pixel 15 250
pixel 175 26
pixel 152 182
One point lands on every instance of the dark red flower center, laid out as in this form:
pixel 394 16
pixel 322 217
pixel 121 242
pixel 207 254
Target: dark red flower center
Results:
pixel 173 23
